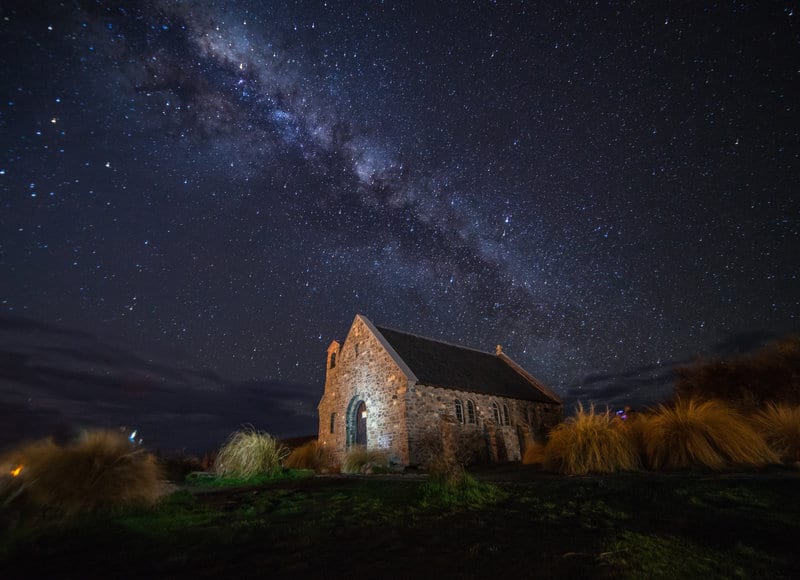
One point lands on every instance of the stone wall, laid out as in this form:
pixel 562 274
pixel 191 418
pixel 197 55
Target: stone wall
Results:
pixel 364 371
pixel 434 429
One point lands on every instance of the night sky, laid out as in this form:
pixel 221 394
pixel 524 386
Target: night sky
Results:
pixel 197 197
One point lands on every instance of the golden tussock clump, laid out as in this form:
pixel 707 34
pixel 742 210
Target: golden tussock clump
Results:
pixel 708 434
pixel 591 442
pixel 311 455
pixel 100 469
pixel 780 426
pixel 362 460
pixel 534 453
pixel 249 452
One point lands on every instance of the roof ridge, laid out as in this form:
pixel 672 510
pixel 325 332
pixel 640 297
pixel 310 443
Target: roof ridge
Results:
pixel 381 328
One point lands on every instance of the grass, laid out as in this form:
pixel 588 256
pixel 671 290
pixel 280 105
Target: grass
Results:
pixel 362 460
pixel 450 485
pixel 311 455
pixel 101 469
pixel 630 525
pixel 708 434
pixel 249 452
pixel 780 427
pixel 668 556
pixel 211 480
pixel 590 442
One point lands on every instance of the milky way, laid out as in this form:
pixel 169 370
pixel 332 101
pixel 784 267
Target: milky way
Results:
pixel 604 190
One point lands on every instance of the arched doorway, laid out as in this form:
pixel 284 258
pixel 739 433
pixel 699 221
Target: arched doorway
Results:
pixel 361 424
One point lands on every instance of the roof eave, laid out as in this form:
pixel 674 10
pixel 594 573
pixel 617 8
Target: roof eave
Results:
pixel 404 368
pixel 530 378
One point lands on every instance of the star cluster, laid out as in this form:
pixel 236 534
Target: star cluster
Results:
pixel 603 189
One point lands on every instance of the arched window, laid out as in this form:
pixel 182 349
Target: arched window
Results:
pixel 459 411
pixel 333 359
pixel 496 413
pixel 506 416
pixel 470 412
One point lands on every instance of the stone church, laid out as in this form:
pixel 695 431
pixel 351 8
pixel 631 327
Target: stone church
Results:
pixel 419 398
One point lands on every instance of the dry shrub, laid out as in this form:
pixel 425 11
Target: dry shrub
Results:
pixel 771 373
pixel 534 454
pixel 780 427
pixel 249 452
pixel 708 434
pixel 311 455
pixel 362 460
pixel 634 428
pixel 100 469
pixel 590 442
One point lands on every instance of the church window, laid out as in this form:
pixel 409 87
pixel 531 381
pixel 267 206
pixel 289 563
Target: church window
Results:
pixel 470 412
pixel 333 422
pixel 506 416
pixel 333 359
pixel 496 413
pixel 459 411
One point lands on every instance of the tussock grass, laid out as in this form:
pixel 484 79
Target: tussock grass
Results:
pixel 249 452
pixel 362 460
pixel 708 434
pixel 311 455
pixel 591 442
pixel 634 428
pixel 534 454
pixel 100 469
pixel 780 427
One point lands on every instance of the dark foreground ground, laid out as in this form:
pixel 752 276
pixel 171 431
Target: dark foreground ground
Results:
pixel 635 525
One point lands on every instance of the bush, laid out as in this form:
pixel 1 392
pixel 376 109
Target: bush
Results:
pixel 362 460
pixel 311 455
pixel 100 469
pixel 449 484
pixel 770 374
pixel 249 452
pixel 591 442
pixel 780 427
pixel 534 454
pixel 708 434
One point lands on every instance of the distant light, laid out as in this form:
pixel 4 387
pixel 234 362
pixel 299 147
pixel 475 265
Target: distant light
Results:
pixel 16 472
pixel 132 436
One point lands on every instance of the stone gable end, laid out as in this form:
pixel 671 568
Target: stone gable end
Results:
pixel 363 370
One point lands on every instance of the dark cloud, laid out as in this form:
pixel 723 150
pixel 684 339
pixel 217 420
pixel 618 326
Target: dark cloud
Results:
pixel 50 386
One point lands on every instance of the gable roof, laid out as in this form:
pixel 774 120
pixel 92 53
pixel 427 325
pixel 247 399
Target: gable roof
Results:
pixel 440 364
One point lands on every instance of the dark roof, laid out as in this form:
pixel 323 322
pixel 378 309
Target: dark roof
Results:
pixel 440 364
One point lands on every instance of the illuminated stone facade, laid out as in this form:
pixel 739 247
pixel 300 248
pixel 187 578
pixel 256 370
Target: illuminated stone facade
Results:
pixel 415 421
